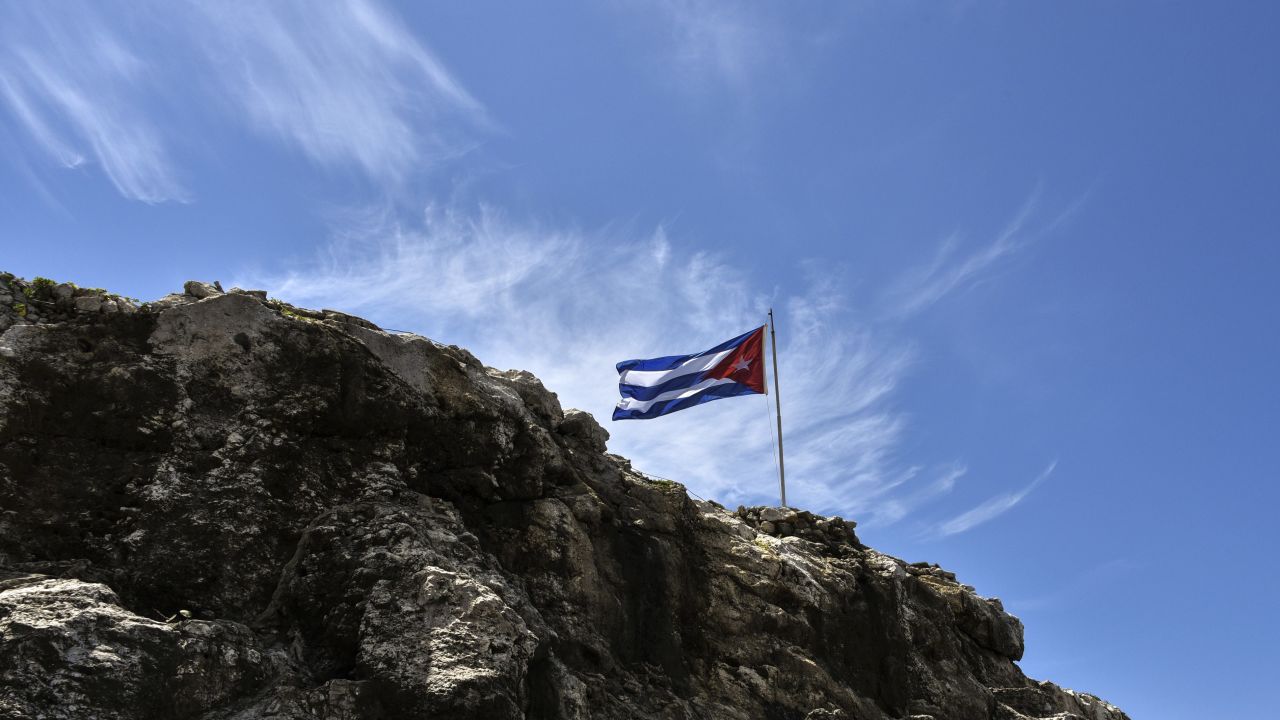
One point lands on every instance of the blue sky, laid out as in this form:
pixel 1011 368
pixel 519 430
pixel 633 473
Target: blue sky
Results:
pixel 1024 255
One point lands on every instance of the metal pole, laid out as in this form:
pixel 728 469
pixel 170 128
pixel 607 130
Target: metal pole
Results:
pixel 777 398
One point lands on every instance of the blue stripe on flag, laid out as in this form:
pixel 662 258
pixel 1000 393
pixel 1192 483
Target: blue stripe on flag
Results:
pixel 672 362
pixel 715 392
pixel 649 392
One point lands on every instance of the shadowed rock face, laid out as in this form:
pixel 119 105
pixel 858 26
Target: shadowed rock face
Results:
pixel 220 506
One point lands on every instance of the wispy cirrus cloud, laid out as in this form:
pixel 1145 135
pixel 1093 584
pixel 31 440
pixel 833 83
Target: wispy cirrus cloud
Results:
pixel 130 88
pixel 709 40
pixel 71 82
pixel 950 272
pixel 992 508
pixel 748 49
pixel 562 304
pixel 895 507
pixel 924 286
pixel 343 82
pixel 702 45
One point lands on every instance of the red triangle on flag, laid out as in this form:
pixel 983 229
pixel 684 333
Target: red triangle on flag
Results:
pixel 745 364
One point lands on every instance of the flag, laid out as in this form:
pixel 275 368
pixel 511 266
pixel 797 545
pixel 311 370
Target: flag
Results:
pixel 659 386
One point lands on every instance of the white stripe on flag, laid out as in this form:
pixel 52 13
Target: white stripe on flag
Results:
pixel 642 405
pixel 649 378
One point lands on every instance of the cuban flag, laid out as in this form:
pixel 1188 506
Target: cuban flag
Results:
pixel 660 386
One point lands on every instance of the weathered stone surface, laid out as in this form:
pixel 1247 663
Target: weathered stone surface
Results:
pixel 88 303
pixel 342 522
pixel 71 651
pixel 582 425
pixel 260 294
pixel 201 290
pixel 1044 699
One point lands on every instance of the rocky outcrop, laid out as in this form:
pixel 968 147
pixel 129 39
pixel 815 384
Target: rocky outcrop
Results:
pixel 218 505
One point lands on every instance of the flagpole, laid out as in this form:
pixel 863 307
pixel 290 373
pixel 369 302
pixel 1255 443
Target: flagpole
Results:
pixel 777 398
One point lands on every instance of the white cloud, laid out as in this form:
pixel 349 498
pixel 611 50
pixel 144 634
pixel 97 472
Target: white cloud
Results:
pixel 71 83
pixel 569 304
pixel 343 81
pixel 993 507
pixel 128 87
pixel 715 38
pixel 892 509
pixel 713 41
pixel 922 287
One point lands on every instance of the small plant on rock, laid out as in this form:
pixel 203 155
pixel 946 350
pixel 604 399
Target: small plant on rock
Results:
pixel 666 485
pixel 40 289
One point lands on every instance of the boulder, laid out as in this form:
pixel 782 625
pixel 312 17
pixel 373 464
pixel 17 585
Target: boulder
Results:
pixel 200 290
pixel 68 649
pixel 582 425
pixel 88 303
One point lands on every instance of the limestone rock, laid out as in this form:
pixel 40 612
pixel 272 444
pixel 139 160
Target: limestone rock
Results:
pixel 582 425
pixel 260 294
pixel 200 290
pixel 221 506
pixel 68 650
pixel 88 303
